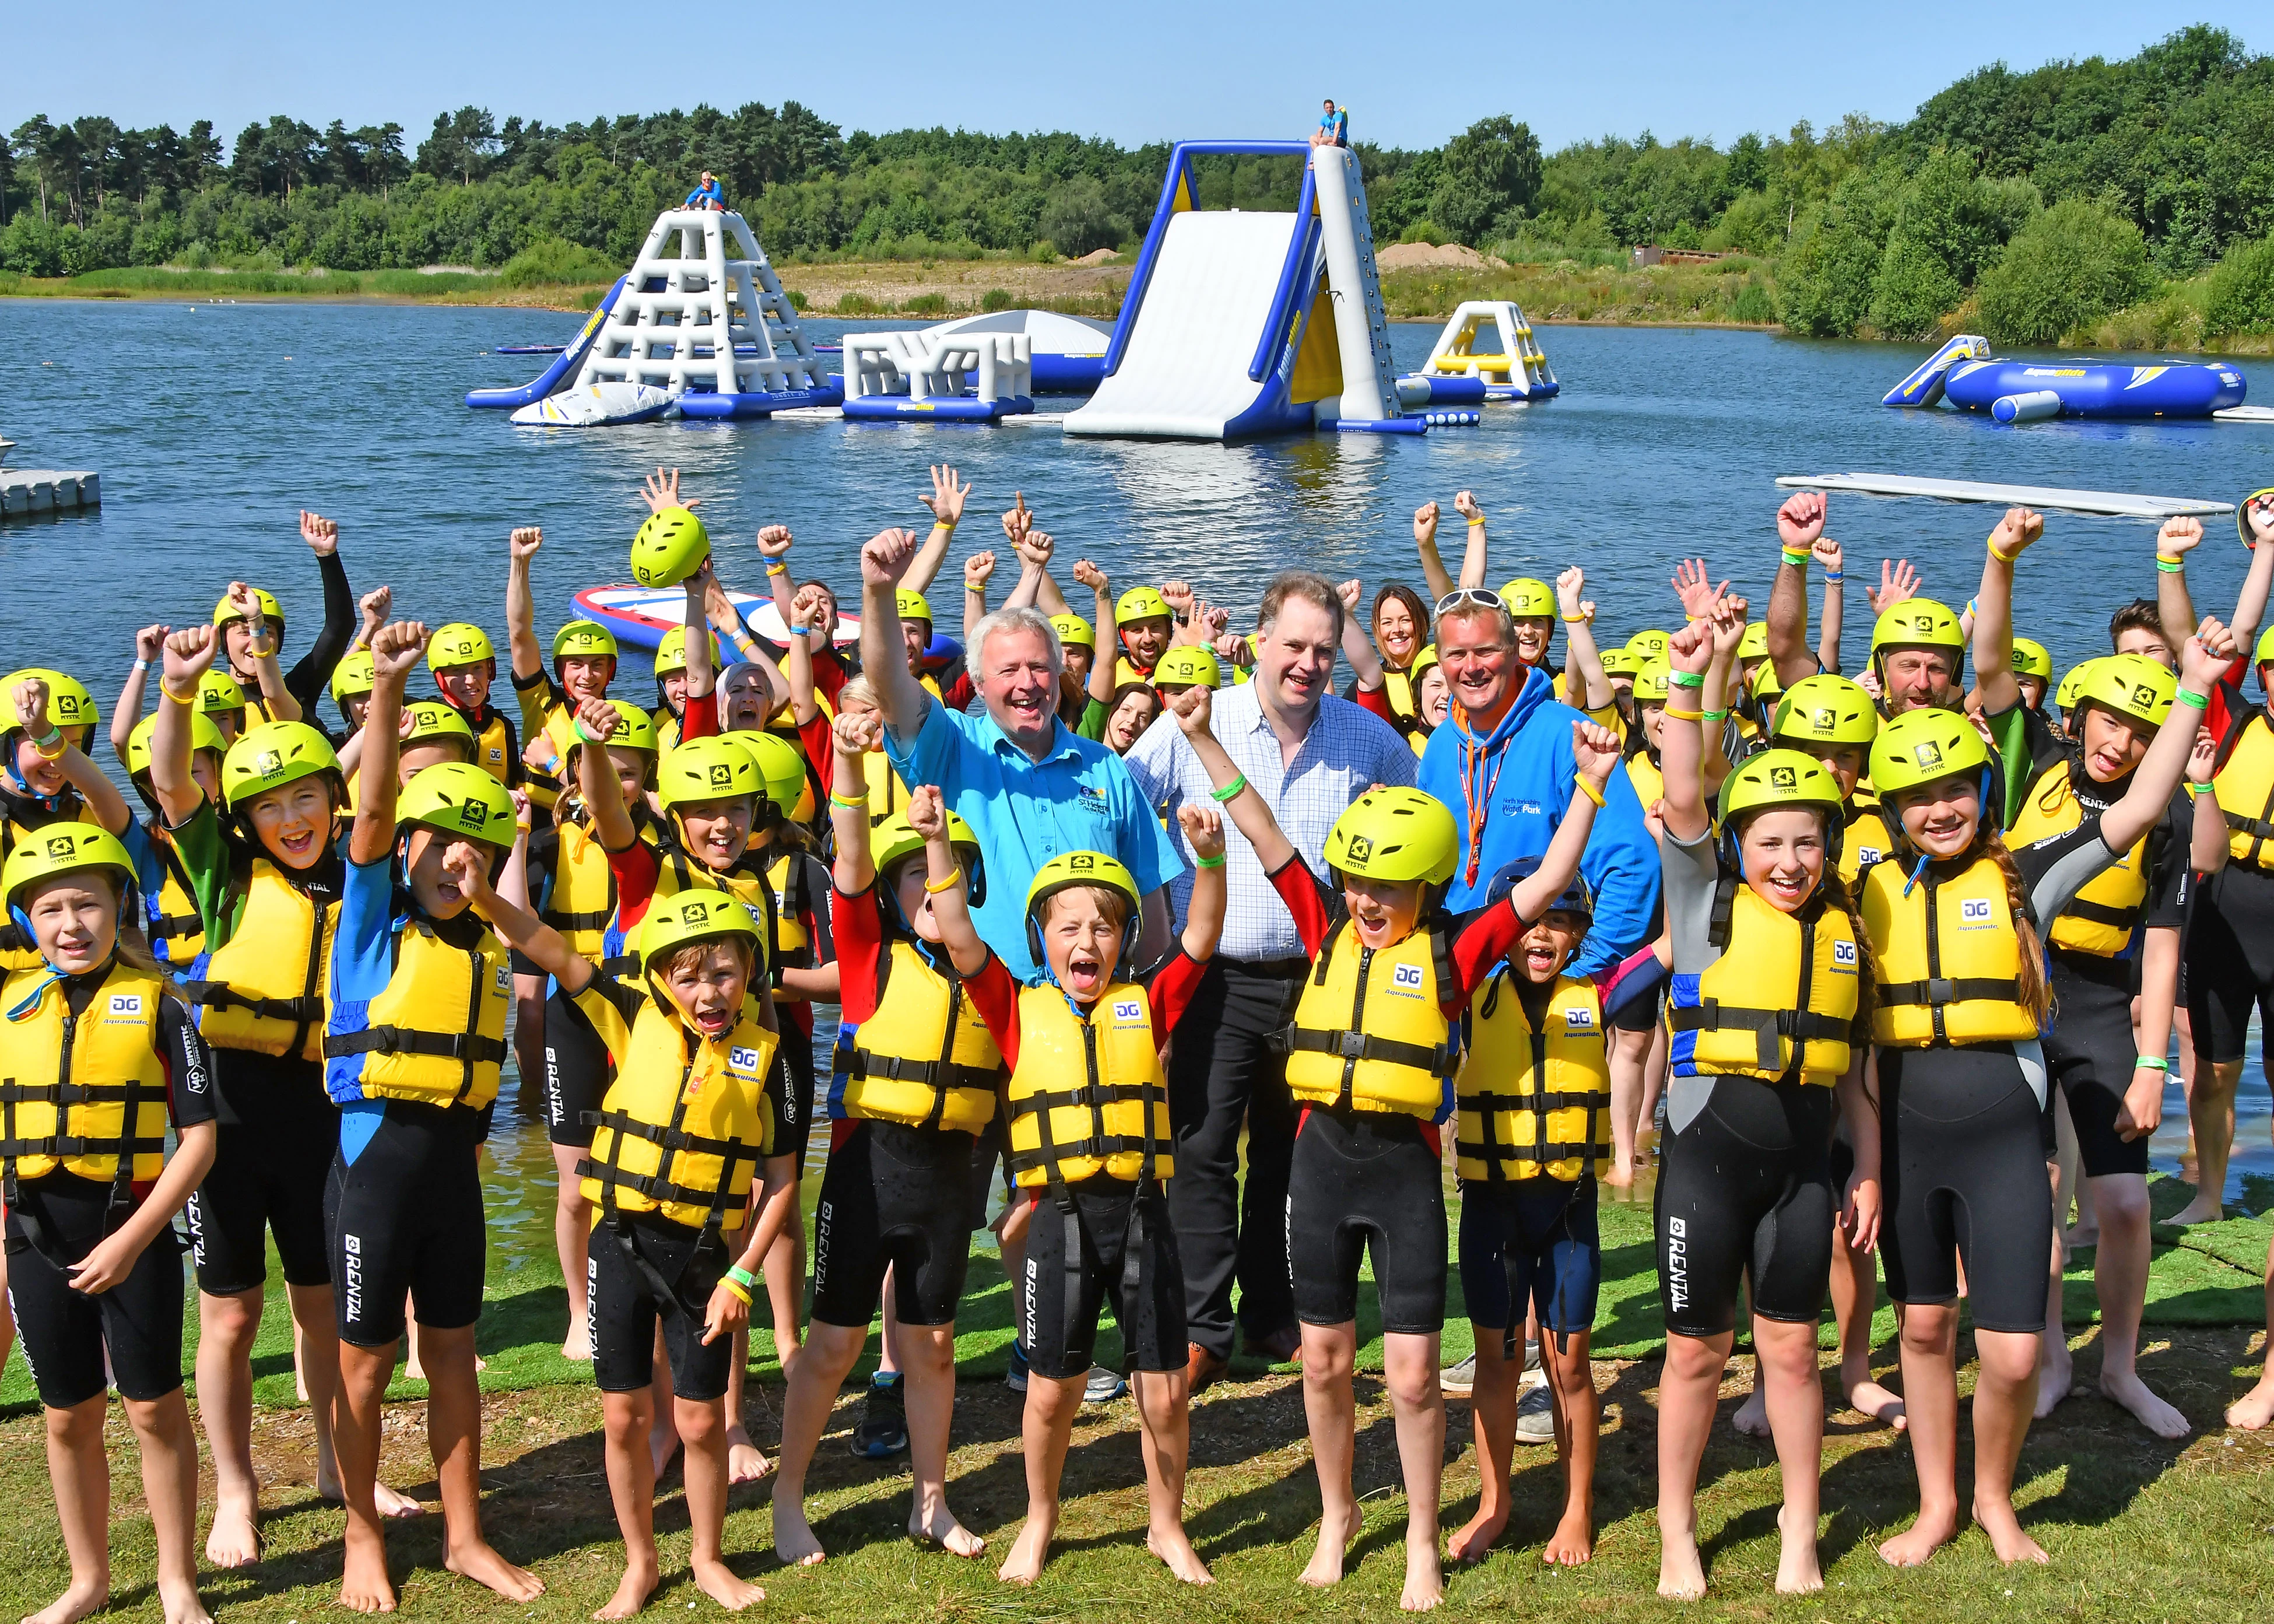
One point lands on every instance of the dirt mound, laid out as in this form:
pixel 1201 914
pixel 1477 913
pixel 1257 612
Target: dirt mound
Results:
pixel 1095 256
pixel 1428 257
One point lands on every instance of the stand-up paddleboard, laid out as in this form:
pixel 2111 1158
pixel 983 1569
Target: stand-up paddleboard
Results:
pixel 2108 504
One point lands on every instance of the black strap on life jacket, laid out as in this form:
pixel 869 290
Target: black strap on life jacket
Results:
pixel 221 996
pixel 460 1046
pixel 123 1147
pixel 1530 1095
pixel 1441 1061
pixel 1799 1023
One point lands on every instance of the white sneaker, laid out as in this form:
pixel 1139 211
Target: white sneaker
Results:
pixel 1535 1416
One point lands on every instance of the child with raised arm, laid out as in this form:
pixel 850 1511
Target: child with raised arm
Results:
pixel 1372 1054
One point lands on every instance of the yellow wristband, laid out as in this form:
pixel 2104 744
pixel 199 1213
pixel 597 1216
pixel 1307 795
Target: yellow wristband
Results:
pixel 778 568
pixel 936 888
pixel 1673 714
pixel 1479 519
pixel 741 1293
pixel 183 700
pixel 945 524
pixel 1587 789
pixel 2003 558
pixel 851 803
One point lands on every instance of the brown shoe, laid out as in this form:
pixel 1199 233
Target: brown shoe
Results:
pixel 1284 1346
pixel 1203 1370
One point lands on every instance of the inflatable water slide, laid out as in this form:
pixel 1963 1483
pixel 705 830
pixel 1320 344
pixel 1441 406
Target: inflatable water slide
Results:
pixel 1238 323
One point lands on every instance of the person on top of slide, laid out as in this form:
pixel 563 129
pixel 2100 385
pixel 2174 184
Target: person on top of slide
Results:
pixel 709 194
pixel 1334 127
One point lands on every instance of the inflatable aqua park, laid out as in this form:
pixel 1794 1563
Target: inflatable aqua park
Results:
pixel 1964 372
pixel 1458 373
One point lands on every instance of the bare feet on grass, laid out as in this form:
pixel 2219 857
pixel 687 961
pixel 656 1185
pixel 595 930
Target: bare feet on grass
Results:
pixel 2055 1374
pixel 2202 1209
pixel 1425 1579
pixel 632 1590
pixel 364 1584
pixel 1573 1541
pixel 1923 1539
pixel 183 1604
pixel 1753 1416
pixel 2254 1408
pixel 1797 1572
pixel 1174 1547
pixel 479 1561
pixel 2005 1536
pixel 1028 1551
pixel 1476 1537
pixel 940 1527
pixel 1868 1397
pixel 391 1505
pixel 234 1540
pixel 720 1583
pixel 745 1463
pixel 1326 1564
pixel 2128 1391
pixel 74 1604
pixel 1680 1574
pixel 794 1545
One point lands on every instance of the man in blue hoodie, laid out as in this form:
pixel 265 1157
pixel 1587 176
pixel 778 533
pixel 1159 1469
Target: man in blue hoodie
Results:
pixel 1503 762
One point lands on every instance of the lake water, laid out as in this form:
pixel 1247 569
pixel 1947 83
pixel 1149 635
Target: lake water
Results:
pixel 212 424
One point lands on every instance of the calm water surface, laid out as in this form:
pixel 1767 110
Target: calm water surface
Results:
pixel 212 424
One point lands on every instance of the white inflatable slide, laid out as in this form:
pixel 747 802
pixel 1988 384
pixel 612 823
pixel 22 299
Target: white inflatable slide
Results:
pixel 1241 324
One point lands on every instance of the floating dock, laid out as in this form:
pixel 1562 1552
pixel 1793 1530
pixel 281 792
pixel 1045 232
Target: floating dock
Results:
pixel 28 493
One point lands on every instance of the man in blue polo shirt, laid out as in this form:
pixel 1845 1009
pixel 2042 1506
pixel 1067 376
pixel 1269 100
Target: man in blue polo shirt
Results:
pixel 1028 787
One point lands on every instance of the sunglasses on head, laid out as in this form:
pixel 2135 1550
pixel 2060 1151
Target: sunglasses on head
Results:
pixel 1490 598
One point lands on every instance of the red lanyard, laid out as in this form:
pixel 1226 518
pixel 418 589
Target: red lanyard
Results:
pixel 1477 807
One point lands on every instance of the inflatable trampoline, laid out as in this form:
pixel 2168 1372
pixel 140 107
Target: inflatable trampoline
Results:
pixel 1964 372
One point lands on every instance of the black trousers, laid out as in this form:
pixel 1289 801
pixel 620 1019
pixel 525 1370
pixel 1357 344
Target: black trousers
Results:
pixel 1222 1076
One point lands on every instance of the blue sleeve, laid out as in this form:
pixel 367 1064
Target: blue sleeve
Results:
pixel 1621 865
pixel 931 755
pixel 363 962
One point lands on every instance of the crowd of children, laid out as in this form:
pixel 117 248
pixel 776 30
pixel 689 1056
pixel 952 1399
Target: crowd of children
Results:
pixel 279 1003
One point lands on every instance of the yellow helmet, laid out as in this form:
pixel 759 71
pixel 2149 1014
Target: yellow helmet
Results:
pixel 1650 644
pixel 219 694
pixel 1422 662
pixel 2031 660
pixel 356 675
pixel 671 652
pixel 670 546
pixel 1140 603
pixel 1917 623
pixel 203 736
pixel 1188 666
pixel 1070 869
pixel 1924 747
pixel 700 770
pixel 458 798
pixel 2242 516
pixel 64 848
pixel 1073 632
pixel 2064 695
pixel 459 643
pixel 68 704
pixel 1765 683
pixel 2131 685
pixel 1753 642
pixel 1527 599
pixel 1395 834
pixel 582 640
pixel 913 605
pixel 1825 710
pixel 225 611
pixel 896 838
pixel 271 755
pixel 634 730
pixel 432 721
pixel 780 768
pixel 2264 651
pixel 1652 682
pixel 1621 662
pixel 1779 780
pixel 700 914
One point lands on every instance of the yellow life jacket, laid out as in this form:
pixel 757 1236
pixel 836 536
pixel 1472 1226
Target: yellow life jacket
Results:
pixel 256 706
pixel 1949 961
pixel 793 943
pixel 1534 1102
pixel 2101 918
pixel 170 919
pixel 495 746
pixel 1126 672
pixel 1397 690
pixel 1648 781
pixel 886 793
pixel 1419 741
pixel 546 786
pixel 745 881
pixel 1370 1031
pixel 435 1035
pixel 685 1124
pixel 1780 1001
pixel 263 989
pixel 2244 787
pixel 1867 839
pixel 924 1058
pixel 85 1094
pixel 580 899
pixel 1088 1095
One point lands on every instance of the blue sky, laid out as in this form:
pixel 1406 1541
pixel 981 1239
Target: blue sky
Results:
pixel 1162 69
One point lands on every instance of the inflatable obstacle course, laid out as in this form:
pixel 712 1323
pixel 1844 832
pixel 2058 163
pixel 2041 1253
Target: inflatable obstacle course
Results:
pixel 1068 351
pixel 919 376
pixel 1965 374
pixel 1458 373
pixel 1238 324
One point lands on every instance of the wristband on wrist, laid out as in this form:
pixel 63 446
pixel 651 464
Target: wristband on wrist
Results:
pixel 851 803
pixel 2003 558
pixel 1215 861
pixel 777 568
pixel 940 888
pixel 1675 714
pixel 2169 567
pixel 2199 701
pixel 1685 678
pixel 141 665
pixel 743 1277
pixel 586 734
pixel 1717 716
pixel 1231 792
pixel 945 524
pixel 1479 519
pixel 741 1293
pixel 2151 1063
pixel 1587 789
pixel 183 700
pixel 1833 577
pixel 1798 560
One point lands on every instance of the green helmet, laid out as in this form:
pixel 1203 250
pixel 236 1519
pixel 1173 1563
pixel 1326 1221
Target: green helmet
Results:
pixel 1650 644
pixel 1924 747
pixel 670 546
pixel 2130 685
pixel 219 694
pixel 1188 666
pixel 203 736
pixel 1753 641
pixel 1527 599
pixel 1395 834
pixel 2064 695
pixel 64 848
pixel 2264 651
pixel 896 838
pixel 1140 603
pixel 1825 710
pixel 1779 780
pixel 357 674
pixel 582 639
pixel 68 704
pixel 2031 660
pixel 913 605
pixel 459 643
pixel 2242 516
pixel 458 798
pixel 1073 631
pixel 710 769
pixel 271 755
pixel 1622 663
pixel 225 611
pixel 634 730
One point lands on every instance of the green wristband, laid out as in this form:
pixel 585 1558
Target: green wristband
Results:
pixel 1717 716
pixel 743 1277
pixel 1685 678
pixel 1208 862
pixel 1798 560
pixel 2199 701
pixel 2151 1063
pixel 1231 792
pixel 2171 567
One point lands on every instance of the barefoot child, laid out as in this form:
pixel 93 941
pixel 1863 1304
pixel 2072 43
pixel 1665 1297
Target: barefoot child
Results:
pixel 109 1058
pixel 920 1086
pixel 420 995
pixel 691 1115
pixel 1374 1050
pixel 1090 1145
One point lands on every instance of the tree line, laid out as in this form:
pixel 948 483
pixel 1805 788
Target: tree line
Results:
pixel 2035 201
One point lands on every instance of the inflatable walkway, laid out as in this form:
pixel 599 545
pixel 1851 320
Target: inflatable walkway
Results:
pixel 562 373
pixel 1238 323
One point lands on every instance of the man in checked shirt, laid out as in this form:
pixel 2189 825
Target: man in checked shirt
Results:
pixel 1310 754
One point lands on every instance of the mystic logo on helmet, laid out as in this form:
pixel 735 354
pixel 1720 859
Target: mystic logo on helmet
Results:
pixel 267 764
pixel 2145 696
pixel 722 776
pixel 62 846
pixel 694 914
pixel 1822 721
pixel 1928 754
pixel 1361 848
pixel 1783 777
